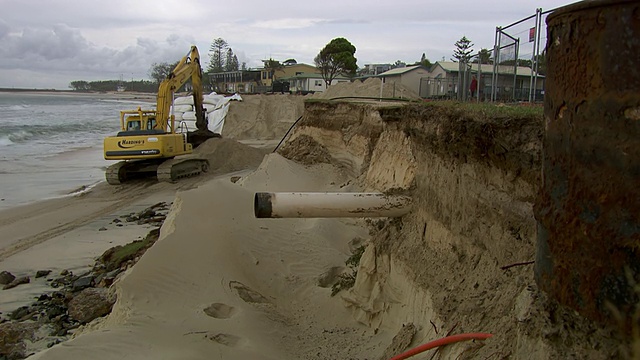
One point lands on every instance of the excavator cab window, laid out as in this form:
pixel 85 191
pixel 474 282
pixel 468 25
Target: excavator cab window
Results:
pixel 133 125
pixel 151 123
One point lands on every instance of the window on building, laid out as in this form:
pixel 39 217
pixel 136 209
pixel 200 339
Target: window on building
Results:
pixel 318 83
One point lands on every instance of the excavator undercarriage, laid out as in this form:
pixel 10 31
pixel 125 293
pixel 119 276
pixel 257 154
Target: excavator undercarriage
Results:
pixel 165 170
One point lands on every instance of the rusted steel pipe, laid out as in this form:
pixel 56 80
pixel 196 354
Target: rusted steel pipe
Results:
pixel 328 205
pixel 588 209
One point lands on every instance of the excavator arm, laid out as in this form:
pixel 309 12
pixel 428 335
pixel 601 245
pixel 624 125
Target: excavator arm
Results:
pixel 188 68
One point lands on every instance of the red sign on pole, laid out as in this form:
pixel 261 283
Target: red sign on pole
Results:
pixel 532 34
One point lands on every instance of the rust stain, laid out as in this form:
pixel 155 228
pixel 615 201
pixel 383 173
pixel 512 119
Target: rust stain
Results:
pixel 588 209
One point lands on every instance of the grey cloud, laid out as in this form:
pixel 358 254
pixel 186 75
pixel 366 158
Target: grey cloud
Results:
pixel 101 40
pixel 345 21
pixel 4 28
pixel 61 42
pixel 61 49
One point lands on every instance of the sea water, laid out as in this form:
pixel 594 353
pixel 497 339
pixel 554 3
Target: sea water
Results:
pixel 51 144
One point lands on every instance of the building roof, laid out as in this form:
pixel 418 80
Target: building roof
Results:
pixel 451 66
pixel 312 76
pixel 293 66
pixel 402 70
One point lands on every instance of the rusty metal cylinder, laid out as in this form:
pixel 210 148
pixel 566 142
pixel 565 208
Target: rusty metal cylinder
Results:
pixel 588 209
pixel 329 205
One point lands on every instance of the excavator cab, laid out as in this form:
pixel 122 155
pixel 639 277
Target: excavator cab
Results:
pixel 139 120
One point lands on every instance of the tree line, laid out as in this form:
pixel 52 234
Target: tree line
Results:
pixel 334 59
pixel 112 85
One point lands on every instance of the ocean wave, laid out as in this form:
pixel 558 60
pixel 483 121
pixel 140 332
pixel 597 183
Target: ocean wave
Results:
pixel 84 189
pixel 5 141
pixel 24 133
pixel 13 107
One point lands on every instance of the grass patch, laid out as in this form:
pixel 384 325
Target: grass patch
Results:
pixel 488 110
pixel 348 279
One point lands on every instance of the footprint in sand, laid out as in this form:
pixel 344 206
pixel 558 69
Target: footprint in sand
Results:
pixel 220 311
pixel 224 339
pixel 248 295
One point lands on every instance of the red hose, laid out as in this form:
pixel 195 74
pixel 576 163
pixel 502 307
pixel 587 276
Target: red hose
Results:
pixel 439 342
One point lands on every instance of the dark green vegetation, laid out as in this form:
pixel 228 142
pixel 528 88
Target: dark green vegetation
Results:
pixel 112 85
pixel 336 58
pixel 348 279
pixel 116 256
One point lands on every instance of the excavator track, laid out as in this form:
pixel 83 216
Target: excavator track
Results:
pixel 116 174
pixel 174 169
pixel 124 171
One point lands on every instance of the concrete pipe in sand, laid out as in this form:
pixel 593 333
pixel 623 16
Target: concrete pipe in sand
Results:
pixel 329 205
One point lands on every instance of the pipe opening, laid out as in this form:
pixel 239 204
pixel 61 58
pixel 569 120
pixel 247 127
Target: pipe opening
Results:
pixel 262 205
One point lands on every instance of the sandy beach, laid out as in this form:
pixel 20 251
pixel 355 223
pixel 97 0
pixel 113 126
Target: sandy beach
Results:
pixel 218 276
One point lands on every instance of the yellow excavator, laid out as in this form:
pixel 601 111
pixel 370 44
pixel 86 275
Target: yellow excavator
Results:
pixel 150 143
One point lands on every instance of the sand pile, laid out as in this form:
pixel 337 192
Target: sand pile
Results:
pixel 368 88
pixel 228 155
pixel 262 116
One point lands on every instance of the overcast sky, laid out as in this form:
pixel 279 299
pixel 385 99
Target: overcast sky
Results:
pixel 49 43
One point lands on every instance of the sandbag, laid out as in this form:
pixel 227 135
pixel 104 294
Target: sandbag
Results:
pixel 182 108
pixel 189 115
pixel 184 100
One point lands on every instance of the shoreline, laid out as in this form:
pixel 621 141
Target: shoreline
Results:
pixel 50 299
pixel 125 95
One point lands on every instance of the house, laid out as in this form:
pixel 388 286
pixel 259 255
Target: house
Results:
pixel 375 69
pixel 241 81
pixel 409 76
pixel 310 82
pixel 286 71
pixel 513 83
pixel 256 81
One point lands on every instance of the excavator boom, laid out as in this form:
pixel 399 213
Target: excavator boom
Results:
pixel 188 68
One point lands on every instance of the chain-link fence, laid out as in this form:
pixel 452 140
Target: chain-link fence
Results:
pixel 438 88
pixel 518 59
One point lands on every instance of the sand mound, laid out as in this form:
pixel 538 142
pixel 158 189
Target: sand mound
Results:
pixel 228 155
pixel 262 116
pixel 368 88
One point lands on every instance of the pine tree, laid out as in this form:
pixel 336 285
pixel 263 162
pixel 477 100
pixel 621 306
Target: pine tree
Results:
pixel 463 50
pixel 216 54
pixel 231 62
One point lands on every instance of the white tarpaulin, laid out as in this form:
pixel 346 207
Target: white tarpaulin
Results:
pixel 217 107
